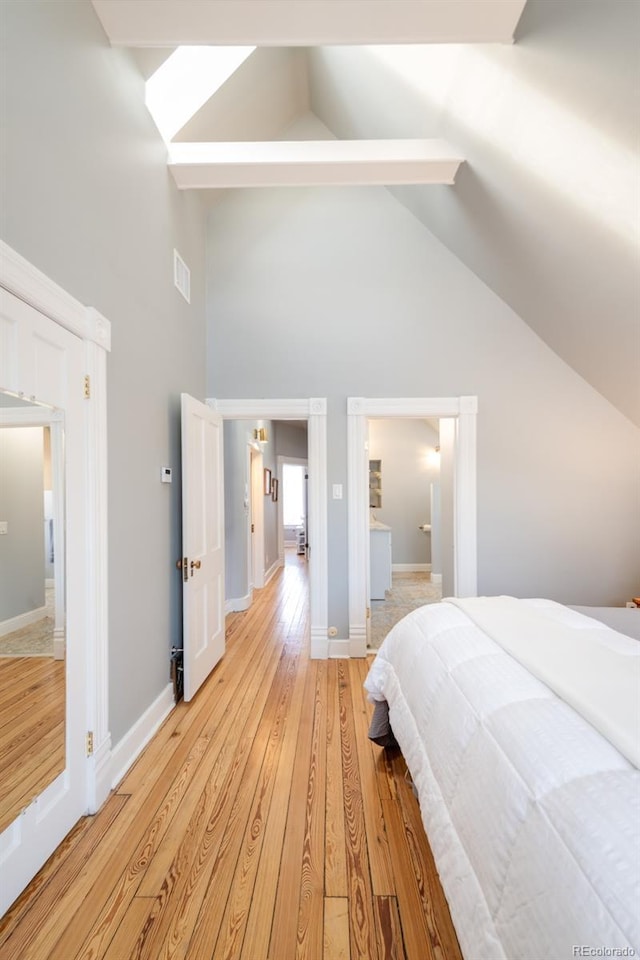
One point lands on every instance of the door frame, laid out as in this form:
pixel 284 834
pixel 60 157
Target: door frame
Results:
pixel 359 411
pixel 22 279
pixel 314 411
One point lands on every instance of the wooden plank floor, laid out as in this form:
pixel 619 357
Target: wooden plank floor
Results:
pixel 260 823
pixel 32 712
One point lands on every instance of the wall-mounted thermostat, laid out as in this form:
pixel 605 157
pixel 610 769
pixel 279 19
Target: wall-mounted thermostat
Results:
pixel 166 474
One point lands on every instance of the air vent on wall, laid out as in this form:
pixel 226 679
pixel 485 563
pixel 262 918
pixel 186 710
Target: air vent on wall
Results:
pixel 182 276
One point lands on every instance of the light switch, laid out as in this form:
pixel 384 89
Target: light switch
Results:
pixel 4 526
pixel 337 491
pixel 166 475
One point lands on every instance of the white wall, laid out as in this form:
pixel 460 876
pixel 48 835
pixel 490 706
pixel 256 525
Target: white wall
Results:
pixel 403 446
pixel 342 292
pixel 87 198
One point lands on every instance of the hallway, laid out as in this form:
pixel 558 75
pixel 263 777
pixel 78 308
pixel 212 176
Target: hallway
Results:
pixel 259 823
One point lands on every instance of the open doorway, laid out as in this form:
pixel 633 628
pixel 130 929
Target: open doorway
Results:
pixel 255 523
pixel 405 520
pixel 460 414
pixel 294 506
pixel 282 421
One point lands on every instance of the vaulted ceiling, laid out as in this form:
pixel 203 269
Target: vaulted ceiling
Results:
pixel 521 157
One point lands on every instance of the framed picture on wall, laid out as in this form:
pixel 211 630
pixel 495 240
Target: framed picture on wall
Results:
pixel 267 481
pixel 274 490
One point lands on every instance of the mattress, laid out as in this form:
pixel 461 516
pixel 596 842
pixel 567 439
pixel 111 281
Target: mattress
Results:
pixel 533 815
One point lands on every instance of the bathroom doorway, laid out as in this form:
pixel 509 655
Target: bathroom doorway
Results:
pixel 460 414
pixel 405 520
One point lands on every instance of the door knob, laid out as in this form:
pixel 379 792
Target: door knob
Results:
pixel 195 565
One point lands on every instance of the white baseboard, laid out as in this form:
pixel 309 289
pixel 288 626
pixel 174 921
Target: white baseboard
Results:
pixel 410 567
pixel 318 643
pixel 436 578
pixel 273 569
pixel 238 604
pixel 339 648
pixel 22 620
pixel 135 740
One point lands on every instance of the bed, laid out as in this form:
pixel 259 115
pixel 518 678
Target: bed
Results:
pixel 518 720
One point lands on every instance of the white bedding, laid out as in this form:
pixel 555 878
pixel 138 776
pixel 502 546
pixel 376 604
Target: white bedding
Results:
pixel 533 815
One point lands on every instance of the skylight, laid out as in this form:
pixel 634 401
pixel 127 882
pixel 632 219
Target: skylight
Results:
pixel 186 80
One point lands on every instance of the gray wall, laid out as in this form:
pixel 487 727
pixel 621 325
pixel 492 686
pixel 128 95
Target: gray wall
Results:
pixel 86 197
pixel 403 446
pixel 22 507
pixel 236 490
pixel 290 440
pixel 544 209
pixel 342 292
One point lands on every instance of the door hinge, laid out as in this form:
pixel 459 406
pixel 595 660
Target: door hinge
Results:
pixel 90 743
pixel 87 387
pixel 368 613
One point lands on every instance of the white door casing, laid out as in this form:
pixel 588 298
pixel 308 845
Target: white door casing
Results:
pixel 202 542
pixel 359 410
pixel 49 343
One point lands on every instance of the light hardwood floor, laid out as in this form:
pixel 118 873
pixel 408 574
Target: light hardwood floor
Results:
pixel 260 823
pixel 32 699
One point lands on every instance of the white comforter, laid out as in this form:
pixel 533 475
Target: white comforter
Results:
pixel 533 815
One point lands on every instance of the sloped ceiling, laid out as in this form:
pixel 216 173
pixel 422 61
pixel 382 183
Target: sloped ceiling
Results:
pixel 546 208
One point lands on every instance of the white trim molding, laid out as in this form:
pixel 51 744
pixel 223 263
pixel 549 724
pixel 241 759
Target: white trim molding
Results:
pixel 314 411
pixel 273 569
pixel 22 620
pixel 87 607
pixel 239 604
pixel 98 583
pixel 31 285
pixel 127 750
pixel 339 649
pixel 24 280
pixel 361 409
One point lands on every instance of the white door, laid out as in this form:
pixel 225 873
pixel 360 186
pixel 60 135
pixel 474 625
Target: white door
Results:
pixel 202 542
pixel 44 363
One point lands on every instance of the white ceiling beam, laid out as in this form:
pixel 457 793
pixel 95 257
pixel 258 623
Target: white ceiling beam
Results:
pixel 312 163
pixel 284 23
